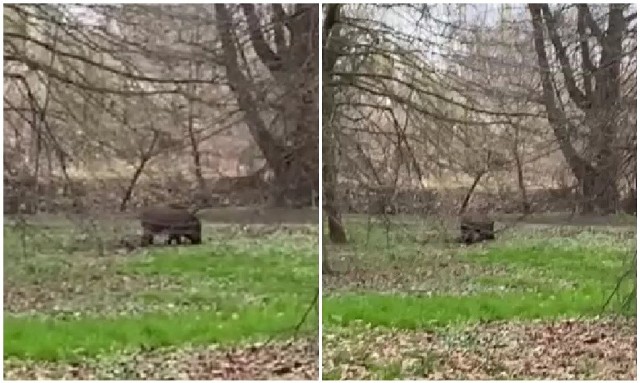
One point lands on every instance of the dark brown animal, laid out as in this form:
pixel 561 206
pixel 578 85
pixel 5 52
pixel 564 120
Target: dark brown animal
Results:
pixel 629 202
pixel 174 222
pixel 476 228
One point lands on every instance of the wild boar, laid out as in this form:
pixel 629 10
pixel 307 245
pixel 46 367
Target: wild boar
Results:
pixel 171 221
pixel 476 228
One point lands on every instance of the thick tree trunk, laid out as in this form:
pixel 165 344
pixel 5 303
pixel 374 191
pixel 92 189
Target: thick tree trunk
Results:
pixel 599 191
pixel 294 161
pixel 271 149
pixel 326 266
pixel 337 233
pixel 597 172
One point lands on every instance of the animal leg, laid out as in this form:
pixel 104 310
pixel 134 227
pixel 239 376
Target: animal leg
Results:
pixel 195 239
pixel 173 237
pixel 146 240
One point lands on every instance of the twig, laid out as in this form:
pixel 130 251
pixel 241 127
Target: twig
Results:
pixel 619 283
pixel 296 328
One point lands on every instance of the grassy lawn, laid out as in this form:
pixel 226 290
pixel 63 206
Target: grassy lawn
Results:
pixel 114 314
pixel 407 304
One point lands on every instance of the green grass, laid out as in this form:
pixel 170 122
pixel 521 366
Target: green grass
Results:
pixel 231 289
pixel 48 339
pixel 411 312
pixel 562 258
pixel 409 304
pixel 558 272
pixel 269 268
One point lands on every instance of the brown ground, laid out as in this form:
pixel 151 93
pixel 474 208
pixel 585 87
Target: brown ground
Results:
pixel 297 360
pixel 565 349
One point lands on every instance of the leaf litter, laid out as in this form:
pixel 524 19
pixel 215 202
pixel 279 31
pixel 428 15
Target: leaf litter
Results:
pixel 602 348
pixel 286 360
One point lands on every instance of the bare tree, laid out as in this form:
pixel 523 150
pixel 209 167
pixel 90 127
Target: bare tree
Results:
pixel 600 99
pixel 450 95
pixel 293 66
pixel 85 80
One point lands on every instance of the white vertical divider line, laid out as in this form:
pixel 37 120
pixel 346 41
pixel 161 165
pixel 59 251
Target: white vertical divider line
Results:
pixel 320 193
